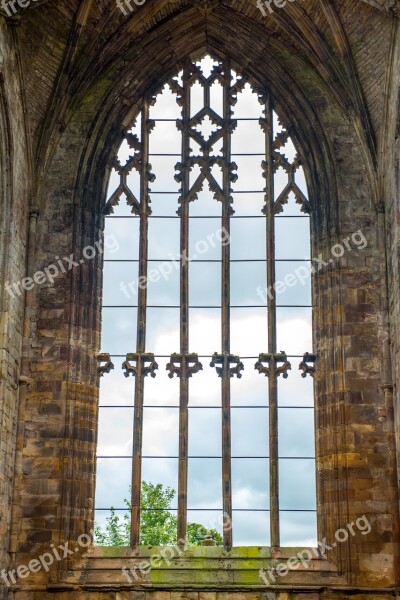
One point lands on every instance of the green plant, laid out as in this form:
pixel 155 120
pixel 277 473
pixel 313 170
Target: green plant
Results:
pixel 158 526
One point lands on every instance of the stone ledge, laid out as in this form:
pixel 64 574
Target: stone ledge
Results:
pixel 198 568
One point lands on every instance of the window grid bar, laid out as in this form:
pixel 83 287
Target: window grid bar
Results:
pixel 300 510
pixel 200 407
pixel 177 194
pixel 208 356
pixel 210 457
pixel 174 120
pixel 212 260
pixel 234 217
pixel 166 154
pixel 207 307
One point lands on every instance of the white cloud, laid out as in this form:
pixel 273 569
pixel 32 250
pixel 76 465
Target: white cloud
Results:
pixel 248 338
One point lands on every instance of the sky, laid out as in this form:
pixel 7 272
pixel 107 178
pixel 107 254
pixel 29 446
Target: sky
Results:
pixel 250 485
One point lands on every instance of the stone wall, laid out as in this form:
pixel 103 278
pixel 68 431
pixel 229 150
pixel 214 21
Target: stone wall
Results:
pixel 14 180
pixel 340 117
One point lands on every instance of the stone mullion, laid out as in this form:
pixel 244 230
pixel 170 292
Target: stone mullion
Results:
pixel 225 314
pixel 141 333
pixel 184 316
pixel 271 312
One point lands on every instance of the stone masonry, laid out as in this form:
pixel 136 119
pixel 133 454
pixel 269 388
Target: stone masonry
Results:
pixel 70 76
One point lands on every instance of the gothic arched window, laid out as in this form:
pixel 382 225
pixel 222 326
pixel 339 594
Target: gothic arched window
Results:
pixel 207 305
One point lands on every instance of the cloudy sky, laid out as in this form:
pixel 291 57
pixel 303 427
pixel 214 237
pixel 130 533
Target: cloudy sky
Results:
pixel 250 482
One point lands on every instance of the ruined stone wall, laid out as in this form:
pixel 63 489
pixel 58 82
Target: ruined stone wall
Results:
pixel 393 250
pixel 55 459
pixel 14 182
pixel 390 166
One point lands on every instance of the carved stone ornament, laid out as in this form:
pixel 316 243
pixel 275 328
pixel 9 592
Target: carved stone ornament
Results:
pixel 108 365
pixel 225 361
pixel 183 365
pixel 145 364
pixel 272 361
pixel 307 364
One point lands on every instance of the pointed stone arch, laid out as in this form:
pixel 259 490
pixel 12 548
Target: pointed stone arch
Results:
pixel 76 158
